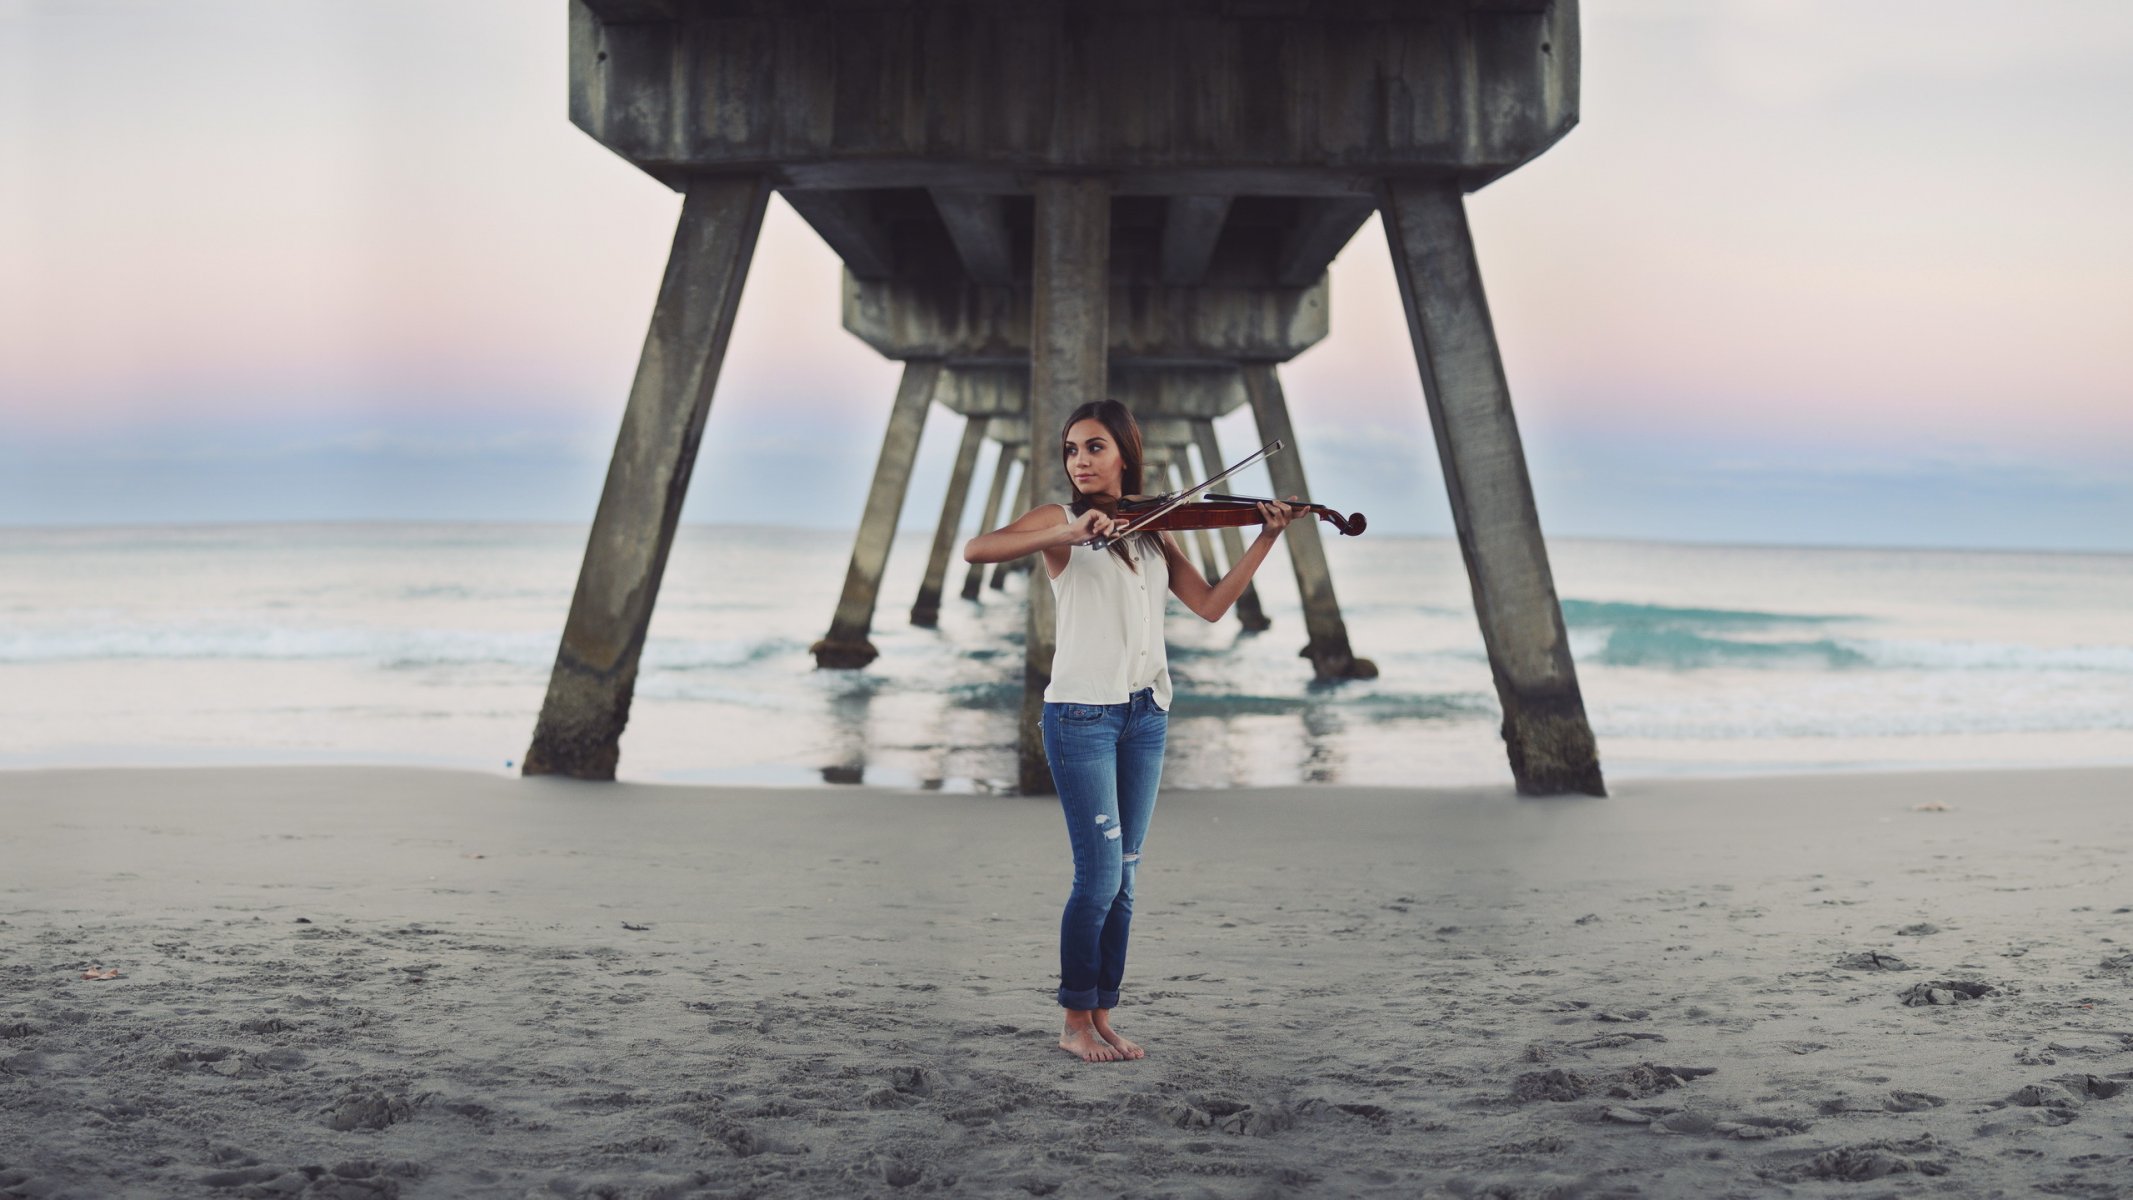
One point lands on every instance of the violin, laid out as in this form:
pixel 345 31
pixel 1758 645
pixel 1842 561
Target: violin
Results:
pixel 1197 508
pixel 1213 510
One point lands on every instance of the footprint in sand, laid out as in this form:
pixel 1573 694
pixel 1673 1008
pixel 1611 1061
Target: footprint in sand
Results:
pixel 1877 1159
pixel 1944 991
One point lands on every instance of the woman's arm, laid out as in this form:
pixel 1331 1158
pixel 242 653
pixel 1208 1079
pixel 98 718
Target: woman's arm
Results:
pixel 1043 528
pixel 1211 602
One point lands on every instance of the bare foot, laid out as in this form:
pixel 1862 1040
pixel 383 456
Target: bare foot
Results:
pixel 1118 1041
pixel 1082 1041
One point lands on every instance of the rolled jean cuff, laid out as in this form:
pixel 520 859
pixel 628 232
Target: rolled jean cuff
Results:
pixel 1088 998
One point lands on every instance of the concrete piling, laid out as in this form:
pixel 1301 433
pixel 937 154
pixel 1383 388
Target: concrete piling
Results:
pixel 846 646
pixel 1211 568
pixel 1069 319
pixel 974 578
pixel 1001 571
pixel 1545 730
pixel 926 611
pixel 1328 649
pixel 579 731
pixel 1249 613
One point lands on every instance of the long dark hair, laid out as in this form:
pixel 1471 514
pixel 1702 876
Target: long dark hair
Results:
pixel 1126 436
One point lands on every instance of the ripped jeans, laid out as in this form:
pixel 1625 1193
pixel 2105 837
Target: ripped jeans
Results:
pixel 1106 761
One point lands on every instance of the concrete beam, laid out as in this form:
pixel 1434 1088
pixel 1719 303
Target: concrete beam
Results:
pixel 1191 226
pixel 1153 393
pixel 1322 228
pixel 1349 88
pixel 844 220
pixel 846 647
pixel 1545 730
pixel 595 676
pixel 1145 325
pixel 977 224
pixel 1069 362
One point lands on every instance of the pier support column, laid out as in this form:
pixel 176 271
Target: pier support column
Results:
pixel 1545 730
pixel 1249 613
pixel 1328 650
pixel 1069 318
pixel 974 578
pixel 579 731
pixel 1001 571
pixel 1210 567
pixel 927 611
pixel 846 646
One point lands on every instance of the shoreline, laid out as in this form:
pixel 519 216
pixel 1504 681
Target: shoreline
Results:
pixel 421 982
pixel 772 776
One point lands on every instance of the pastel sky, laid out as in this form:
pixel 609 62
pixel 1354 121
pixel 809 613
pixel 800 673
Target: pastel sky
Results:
pixel 1806 272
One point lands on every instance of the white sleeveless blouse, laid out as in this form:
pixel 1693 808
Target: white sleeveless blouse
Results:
pixel 1110 625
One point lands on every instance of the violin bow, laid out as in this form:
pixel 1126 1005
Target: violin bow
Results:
pixel 1184 497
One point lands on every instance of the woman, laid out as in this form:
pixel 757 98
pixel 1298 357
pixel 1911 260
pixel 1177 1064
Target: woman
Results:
pixel 1105 711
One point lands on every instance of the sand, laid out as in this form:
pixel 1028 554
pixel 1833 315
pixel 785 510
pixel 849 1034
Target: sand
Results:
pixel 377 982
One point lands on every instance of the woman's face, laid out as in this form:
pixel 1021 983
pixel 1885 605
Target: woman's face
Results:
pixel 1092 459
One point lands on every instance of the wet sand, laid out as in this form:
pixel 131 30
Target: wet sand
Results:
pixel 371 982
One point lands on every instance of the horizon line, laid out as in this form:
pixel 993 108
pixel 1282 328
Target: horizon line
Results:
pixel 914 531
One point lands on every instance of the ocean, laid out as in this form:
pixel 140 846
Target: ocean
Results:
pixel 431 643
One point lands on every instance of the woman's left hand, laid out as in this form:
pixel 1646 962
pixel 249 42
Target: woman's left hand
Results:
pixel 1277 517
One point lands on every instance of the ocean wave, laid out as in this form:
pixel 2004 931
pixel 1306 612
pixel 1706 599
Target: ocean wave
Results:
pixel 1654 635
pixel 1617 614
pixel 1682 649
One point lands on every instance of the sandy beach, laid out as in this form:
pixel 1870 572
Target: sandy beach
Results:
pixel 393 982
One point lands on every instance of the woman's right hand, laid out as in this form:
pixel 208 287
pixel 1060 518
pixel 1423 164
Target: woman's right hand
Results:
pixel 1091 524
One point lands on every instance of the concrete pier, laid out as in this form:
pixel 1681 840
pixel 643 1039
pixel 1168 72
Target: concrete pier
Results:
pixel 1545 731
pixel 1328 649
pixel 846 645
pixel 1138 200
pixel 926 610
pixel 579 731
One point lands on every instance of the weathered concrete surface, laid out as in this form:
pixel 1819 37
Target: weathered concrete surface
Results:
pixel 1545 731
pixel 1155 394
pixel 1068 362
pixel 1249 612
pixel 1211 567
pixel 968 324
pixel 1328 649
pixel 595 675
pixel 1197 97
pixel 926 611
pixel 846 646
pixel 975 577
pixel 1001 571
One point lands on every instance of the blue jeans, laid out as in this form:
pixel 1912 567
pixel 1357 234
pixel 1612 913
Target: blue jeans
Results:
pixel 1106 761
